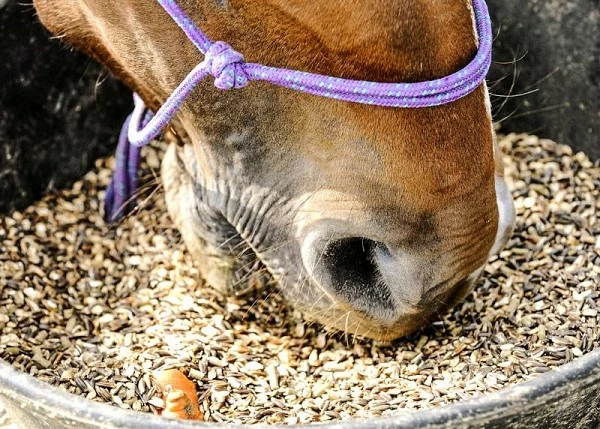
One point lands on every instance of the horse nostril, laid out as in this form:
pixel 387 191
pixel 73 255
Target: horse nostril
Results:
pixel 349 269
pixel 350 261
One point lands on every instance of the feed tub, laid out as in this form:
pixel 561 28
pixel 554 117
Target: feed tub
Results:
pixel 568 397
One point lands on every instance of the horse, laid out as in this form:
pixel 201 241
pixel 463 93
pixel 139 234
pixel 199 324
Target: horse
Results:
pixel 371 220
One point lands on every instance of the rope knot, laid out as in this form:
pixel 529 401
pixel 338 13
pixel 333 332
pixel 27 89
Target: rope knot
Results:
pixel 226 65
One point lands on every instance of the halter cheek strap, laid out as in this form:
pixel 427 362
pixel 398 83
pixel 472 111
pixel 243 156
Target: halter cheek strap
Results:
pixel 230 71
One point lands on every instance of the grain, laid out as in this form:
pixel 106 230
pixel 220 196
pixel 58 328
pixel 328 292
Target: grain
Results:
pixel 96 310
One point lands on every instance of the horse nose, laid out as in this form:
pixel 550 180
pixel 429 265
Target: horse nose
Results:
pixel 355 270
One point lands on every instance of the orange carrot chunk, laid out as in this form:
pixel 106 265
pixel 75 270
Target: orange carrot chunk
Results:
pixel 181 398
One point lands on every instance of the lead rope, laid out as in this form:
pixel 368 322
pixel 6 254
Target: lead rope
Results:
pixel 230 70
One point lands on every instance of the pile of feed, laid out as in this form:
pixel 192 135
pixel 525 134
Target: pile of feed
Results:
pixel 96 309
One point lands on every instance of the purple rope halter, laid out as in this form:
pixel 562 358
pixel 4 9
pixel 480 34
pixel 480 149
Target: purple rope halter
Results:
pixel 230 70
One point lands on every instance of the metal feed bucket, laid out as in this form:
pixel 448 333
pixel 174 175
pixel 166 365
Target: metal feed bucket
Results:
pixel 565 398
pixel 568 397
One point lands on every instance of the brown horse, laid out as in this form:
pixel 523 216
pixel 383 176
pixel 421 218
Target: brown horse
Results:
pixel 371 219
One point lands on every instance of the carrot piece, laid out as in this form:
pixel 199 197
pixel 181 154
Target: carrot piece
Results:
pixel 181 398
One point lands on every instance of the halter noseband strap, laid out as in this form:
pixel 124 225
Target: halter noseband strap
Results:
pixel 230 70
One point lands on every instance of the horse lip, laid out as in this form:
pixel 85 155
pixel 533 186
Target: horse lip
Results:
pixel 433 293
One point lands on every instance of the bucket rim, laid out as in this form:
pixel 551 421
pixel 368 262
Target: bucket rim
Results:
pixel 55 402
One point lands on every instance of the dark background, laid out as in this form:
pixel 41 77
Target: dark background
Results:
pixel 558 42
pixel 56 119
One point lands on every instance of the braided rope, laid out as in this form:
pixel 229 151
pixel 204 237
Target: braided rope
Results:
pixel 230 71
